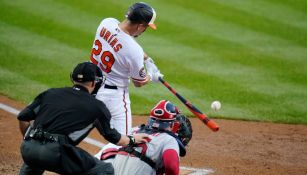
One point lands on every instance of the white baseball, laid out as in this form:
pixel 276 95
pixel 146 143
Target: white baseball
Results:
pixel 216 105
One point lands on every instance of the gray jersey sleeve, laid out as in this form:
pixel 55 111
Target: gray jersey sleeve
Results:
pixel 126 165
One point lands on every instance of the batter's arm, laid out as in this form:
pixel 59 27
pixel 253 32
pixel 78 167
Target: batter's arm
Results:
pixel 138 73
pixel 138 83
pixel 152 70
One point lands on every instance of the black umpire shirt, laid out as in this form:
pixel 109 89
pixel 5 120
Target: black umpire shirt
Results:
pixel 70 111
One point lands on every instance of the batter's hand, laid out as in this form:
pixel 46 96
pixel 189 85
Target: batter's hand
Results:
pixel 155 77
pixel 153 70
pixel 150 66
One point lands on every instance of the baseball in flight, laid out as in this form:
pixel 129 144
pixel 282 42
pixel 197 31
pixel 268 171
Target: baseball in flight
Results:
pixel 216 105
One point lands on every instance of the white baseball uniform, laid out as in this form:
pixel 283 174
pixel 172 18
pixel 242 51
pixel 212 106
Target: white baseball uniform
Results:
pixel 120 58
pixel 125 164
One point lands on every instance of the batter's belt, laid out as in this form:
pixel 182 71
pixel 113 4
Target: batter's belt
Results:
pixel 110 87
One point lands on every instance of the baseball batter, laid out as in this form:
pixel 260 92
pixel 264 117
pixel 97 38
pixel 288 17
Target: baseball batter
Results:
pixel 122 59
pixel 169 131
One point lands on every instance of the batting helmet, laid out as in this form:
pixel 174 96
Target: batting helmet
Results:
pixel 141 12
pixel 163 115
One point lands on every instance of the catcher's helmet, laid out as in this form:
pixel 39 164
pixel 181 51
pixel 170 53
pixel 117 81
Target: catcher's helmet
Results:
pixel 163 115
pixel 185 129
pixel 141 12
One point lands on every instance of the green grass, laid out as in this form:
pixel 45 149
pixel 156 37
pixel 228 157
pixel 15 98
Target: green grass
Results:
pixel 250 55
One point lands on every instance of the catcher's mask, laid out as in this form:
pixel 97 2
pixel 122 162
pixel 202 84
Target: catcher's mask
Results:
pixel 163 115
pixel 185 130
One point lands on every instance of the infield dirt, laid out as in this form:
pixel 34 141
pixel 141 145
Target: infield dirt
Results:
pixel 240 147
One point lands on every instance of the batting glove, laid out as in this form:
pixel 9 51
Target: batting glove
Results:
pixel 150 66
pixel 155 76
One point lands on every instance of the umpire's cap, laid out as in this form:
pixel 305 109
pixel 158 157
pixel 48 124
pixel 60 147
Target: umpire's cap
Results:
pixel 85 72
pixel 142 12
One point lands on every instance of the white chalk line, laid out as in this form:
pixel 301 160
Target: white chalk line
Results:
pixel 196 171
pixel 9 109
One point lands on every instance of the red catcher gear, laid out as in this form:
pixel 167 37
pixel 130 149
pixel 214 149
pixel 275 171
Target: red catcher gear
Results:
pixel 163 115
pixel 164 110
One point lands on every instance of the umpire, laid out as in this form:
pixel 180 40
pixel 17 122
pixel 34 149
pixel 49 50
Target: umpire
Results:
pixel 63 117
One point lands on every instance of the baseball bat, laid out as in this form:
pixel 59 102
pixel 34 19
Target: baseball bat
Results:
pixel 203 117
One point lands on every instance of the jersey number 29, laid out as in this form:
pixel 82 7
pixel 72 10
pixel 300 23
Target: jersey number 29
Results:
pixel 107 59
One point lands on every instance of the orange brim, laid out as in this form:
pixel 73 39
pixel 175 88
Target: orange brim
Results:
pixel 153 26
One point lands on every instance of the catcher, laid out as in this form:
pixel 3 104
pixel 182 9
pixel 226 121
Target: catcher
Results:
pixel 169 132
